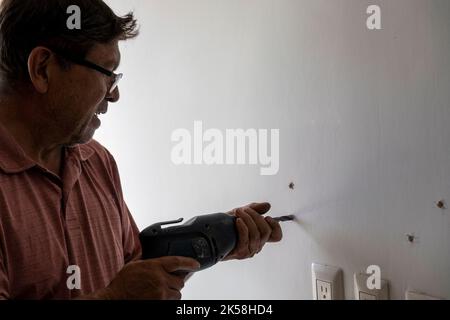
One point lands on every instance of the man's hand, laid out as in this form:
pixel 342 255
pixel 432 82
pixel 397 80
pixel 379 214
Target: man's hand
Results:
pixel 253 230
pixel 152 279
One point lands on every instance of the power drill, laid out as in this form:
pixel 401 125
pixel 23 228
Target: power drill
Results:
pixel 206 238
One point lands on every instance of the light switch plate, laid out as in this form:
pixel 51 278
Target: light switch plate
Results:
pixel 364 293
pixel 327 282
pixel 366 296
pixel 411 295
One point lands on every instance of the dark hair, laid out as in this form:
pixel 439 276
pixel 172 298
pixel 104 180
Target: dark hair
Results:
pixel 26 24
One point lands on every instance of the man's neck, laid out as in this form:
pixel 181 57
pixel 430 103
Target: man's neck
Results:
pixel 31 134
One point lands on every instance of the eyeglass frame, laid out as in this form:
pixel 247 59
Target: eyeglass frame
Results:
pixel 86 63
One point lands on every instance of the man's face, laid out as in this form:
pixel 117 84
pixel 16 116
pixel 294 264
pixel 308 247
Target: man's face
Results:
pixel 82 94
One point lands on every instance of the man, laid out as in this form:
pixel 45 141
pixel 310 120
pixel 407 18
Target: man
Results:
pixel 61 202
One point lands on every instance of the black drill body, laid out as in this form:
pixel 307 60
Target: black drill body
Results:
pixel 207 239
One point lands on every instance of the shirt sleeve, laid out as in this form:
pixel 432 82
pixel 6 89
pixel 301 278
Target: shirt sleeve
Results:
pixel 4 282
pixel 131 243
pixel 130 239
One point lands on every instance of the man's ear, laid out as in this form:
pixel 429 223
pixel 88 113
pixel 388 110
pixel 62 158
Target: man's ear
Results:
pixel 38 68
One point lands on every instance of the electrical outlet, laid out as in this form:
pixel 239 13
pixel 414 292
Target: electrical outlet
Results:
pixel 327 282
pixel 364 293
pixel 323 290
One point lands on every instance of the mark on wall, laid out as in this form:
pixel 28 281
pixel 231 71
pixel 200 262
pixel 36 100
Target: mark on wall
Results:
pixel 441 204
pixel 411 237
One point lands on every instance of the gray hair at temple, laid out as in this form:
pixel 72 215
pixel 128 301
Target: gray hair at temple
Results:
pixel 26 24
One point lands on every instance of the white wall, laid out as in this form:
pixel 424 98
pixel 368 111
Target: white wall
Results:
pixel 364 119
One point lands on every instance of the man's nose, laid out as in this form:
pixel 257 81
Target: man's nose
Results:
pixel 113 96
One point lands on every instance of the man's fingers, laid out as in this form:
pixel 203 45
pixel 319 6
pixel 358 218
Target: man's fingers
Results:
pixel 172 264
pixel 175 282
pixel 253 232
pixel 174 294
pixel 261 208
pixel 277 233
pixel 241 249
pixel 243 240
pixel 264 228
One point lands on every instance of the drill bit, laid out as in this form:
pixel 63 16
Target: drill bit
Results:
pixel 285 218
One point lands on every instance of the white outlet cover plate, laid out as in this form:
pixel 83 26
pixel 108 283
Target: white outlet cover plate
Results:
pixel 328 274
pixel 364 293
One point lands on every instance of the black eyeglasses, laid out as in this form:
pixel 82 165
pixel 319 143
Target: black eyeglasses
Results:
pixel 116 77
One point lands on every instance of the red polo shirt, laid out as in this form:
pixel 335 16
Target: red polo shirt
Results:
pixel 48 224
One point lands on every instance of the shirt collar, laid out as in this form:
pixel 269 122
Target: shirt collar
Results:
pixel 14 160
